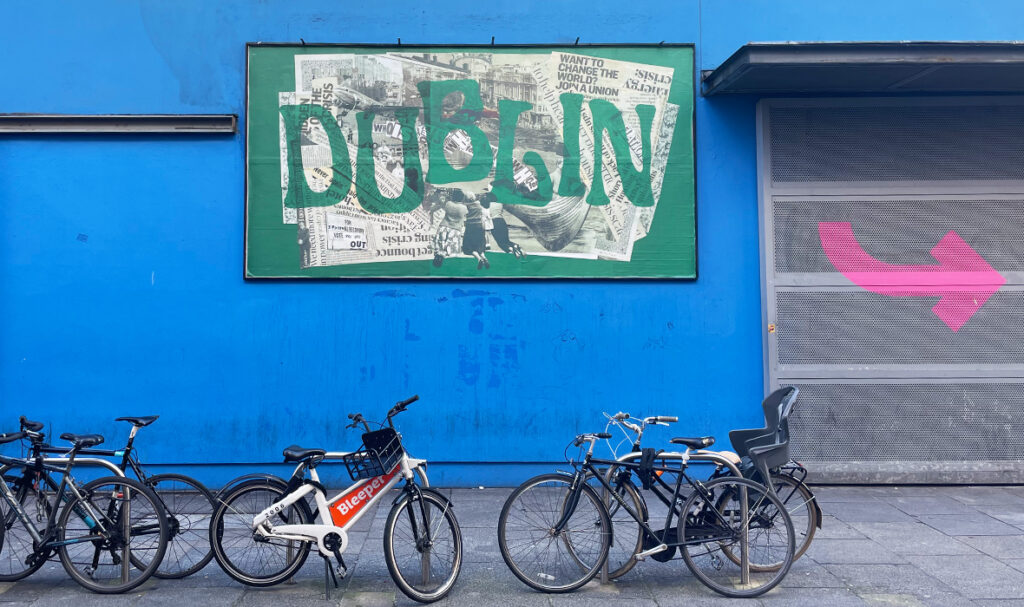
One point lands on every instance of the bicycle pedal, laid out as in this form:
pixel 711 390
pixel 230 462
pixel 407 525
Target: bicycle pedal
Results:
pixel 646 553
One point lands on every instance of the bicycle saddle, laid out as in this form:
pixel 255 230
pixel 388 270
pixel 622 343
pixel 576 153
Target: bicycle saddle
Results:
pixel 694 443
pixel 295 453
pixel 139 421
pixel 82 440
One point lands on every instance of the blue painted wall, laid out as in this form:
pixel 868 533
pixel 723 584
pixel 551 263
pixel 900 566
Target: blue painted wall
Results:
pixel 121 286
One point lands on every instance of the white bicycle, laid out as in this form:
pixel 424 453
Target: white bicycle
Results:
pixel 263 528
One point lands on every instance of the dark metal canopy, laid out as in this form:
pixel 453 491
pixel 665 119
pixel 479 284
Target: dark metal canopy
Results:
pixel 869 67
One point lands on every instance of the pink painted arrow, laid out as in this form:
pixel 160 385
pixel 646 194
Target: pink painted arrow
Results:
pixel 963 279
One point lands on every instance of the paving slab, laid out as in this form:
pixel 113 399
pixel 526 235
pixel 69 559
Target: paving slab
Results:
pixel 917 505
pixel 933 546
pixel 999 546
pixel 873 511
pixel 969 524
pixel 913 538
pixel 986 496
pixel 829 551
pixel 811 597
pixel 978 577
pixel 1010 515
pixel 833 528
pixel 889 579
pixel 808 573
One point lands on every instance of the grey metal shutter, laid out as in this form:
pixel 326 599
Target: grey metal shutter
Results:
pixel 889 390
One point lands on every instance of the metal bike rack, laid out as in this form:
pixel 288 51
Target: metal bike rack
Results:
pixel 710 457
pixel 85 461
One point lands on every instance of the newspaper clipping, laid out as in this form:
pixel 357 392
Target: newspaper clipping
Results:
pixel 430 156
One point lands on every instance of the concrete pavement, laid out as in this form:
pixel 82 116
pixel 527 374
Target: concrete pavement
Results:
pixel 910 545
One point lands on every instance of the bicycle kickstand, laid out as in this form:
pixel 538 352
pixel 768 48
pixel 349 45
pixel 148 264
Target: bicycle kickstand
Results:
pixel 328 578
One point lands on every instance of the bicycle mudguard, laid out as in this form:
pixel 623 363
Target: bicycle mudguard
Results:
pixel 255 476
pixel 448 503
pixel 791 469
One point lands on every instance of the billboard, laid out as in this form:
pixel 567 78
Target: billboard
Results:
pixel 470 162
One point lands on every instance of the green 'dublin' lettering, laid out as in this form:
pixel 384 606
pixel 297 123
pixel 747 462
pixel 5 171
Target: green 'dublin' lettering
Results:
pixel 438 127
pixel 636 185
pixel 367 190
pixel 504 175
pixel 299 193
pixel 570 183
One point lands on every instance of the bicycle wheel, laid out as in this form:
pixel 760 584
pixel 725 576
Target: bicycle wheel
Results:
pixel 113 535
pixel 735 509
pixel 799 502
pixel 423 546
pixel 541 558
pixel 250 558
pixel 16 545
pixel 627 535
pixel 189 507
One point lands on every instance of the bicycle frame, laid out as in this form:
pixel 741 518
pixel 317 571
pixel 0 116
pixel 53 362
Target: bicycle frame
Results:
pixel 34 471
pixel 588 466
pixel 342 511
pixel 127 455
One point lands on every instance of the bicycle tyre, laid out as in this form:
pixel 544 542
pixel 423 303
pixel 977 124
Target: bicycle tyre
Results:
pixel 126 495
pixel 231 515
pixel 16 544
pixel 189 505
pixel 624 527
pixel 703 517
pixel 800 504
pixel 555 495
pixel 409 508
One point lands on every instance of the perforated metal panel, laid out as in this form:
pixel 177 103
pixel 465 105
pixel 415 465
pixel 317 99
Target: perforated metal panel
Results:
pixel 896 142
pixel 892 390
pixel 905 421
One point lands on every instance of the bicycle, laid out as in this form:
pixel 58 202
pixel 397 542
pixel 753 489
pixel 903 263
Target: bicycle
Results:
pixel 787 479
pixel 262 532
pixel 188 503
pixel 555 531
pixel 110 534
pixel 761 453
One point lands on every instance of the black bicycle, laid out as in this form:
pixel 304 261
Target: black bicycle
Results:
pixel 110 534
pixel 188 503
pixel 555 531
pixel 759 453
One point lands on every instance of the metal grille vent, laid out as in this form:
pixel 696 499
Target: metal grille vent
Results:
pixel 896 143
pixel 892 390
pixel 964 422
pixel 856 327
pixel 900 231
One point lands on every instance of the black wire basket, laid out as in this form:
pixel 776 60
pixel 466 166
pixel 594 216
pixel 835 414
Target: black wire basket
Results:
pixel 379 454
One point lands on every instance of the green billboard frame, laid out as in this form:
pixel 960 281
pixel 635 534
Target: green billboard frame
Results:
pixel 273 248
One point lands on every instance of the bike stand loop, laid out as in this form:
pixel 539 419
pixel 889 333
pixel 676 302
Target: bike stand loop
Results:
pixel 701 456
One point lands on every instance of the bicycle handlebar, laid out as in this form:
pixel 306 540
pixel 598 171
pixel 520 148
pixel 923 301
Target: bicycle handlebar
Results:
pixel 357 418
pixel 11 437
pixel 582 438
pixel 661 419
pixel 408 401
pixel 27 424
